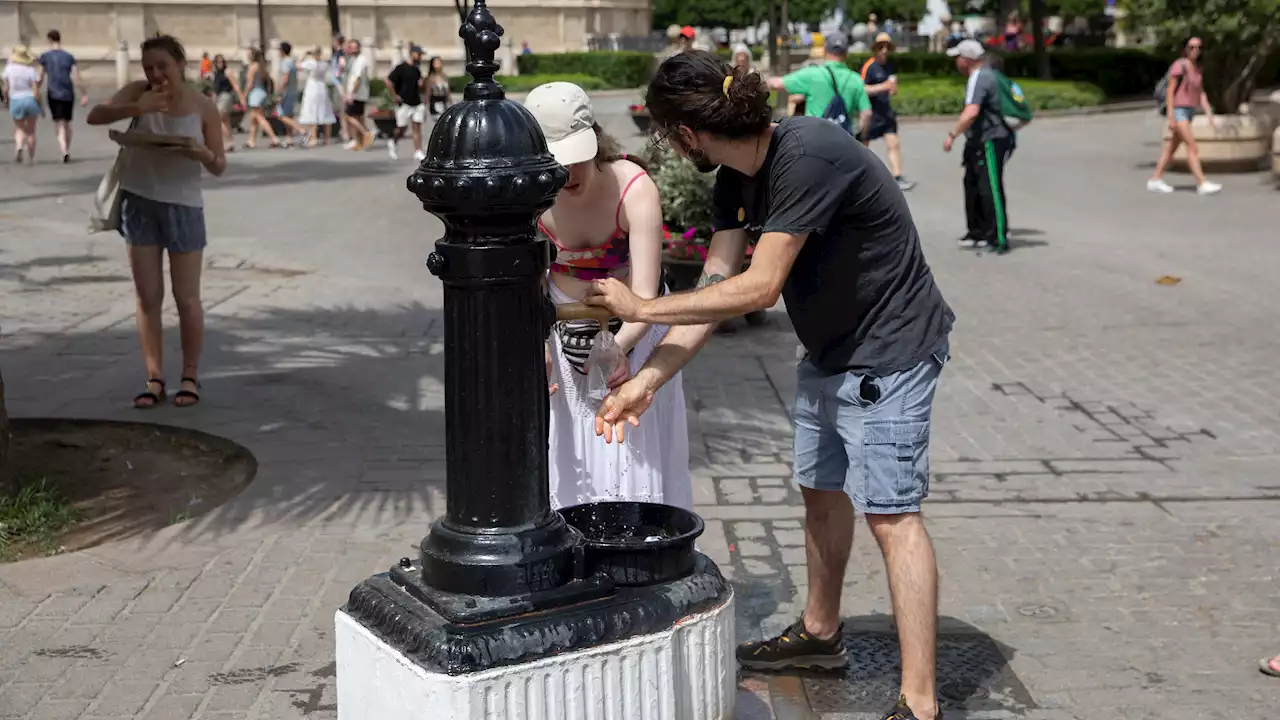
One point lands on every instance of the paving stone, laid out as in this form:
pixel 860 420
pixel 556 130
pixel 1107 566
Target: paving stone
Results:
pixel 1081 461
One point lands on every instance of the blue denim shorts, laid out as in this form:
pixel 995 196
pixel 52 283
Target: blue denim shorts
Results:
pixel 176 228
pixel 868 436
pixel 21 108
pixel 1183 114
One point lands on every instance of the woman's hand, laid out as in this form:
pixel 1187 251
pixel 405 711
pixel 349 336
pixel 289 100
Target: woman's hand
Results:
pixel 153 101
pixel 621 373
pixel 199 153
pixel 1173 124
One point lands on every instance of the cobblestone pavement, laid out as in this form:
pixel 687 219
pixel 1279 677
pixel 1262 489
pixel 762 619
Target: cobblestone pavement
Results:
pixel 1104 497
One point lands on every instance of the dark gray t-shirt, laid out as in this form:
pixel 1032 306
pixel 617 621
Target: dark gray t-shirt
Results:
pixel 984 91
pixel 860 294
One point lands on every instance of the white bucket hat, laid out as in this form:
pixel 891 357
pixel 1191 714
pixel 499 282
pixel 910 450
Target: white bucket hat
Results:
pixel 563 111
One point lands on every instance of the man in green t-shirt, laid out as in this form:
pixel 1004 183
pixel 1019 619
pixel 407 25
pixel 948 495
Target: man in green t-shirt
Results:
pixel 819 83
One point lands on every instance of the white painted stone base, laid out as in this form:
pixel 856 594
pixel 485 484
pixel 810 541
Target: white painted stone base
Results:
pixel 686 673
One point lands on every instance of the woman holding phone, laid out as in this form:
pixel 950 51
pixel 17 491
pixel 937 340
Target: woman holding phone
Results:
pixel 162 207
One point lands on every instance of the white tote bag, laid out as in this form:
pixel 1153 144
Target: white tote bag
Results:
pixel 106 202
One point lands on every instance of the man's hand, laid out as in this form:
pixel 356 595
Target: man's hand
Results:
pixel 946 144
pixel 623 406
pixel 614 294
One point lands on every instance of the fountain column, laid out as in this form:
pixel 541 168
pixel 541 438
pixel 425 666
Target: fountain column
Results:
pixel 508 611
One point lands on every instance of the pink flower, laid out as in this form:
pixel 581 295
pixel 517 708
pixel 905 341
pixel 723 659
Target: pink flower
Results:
pixel 690 233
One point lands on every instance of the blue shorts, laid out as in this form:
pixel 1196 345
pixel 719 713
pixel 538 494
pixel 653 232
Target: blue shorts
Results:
pixel 257 98
pixel 23 107
pixel 1183 114
pixel 176 228
pixel 867 436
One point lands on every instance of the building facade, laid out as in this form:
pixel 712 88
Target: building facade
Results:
pixel 93 30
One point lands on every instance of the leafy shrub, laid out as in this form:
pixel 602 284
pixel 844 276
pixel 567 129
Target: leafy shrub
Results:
pixel 945 96
pixel 1119 72
pixel 525 83
pixel 615 69
pixel 686 202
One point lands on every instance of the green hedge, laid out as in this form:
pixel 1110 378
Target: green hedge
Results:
pixel 525 83
pixel 615 69
pixel 1118 72
pixel 945 96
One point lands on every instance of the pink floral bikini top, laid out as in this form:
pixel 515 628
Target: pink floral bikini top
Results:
pixel 595 263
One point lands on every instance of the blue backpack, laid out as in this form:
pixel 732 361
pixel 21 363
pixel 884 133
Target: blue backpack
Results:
pixel 837 112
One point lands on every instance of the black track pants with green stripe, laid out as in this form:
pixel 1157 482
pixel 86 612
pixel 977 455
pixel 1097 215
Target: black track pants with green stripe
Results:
pixel 985 204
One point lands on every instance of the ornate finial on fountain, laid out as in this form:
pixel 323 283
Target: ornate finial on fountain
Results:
pixel 481 33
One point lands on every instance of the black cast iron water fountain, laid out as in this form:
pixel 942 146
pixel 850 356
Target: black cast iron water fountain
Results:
pixel 503 579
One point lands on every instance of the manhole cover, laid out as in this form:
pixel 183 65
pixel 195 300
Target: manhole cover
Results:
pixel 973 675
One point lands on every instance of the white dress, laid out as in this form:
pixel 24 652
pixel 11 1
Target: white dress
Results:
pixel 652 465
pixel 317 108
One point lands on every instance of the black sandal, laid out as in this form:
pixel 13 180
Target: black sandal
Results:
pixel 188 394
pixel 155 398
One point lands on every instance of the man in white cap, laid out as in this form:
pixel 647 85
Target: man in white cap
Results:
pixel 986 146
pixel 881 83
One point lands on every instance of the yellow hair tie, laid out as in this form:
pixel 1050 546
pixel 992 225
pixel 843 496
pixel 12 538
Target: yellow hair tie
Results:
pixel 728 80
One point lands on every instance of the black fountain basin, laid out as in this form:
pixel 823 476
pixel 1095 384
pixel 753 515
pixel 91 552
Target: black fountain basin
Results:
pixel 636 543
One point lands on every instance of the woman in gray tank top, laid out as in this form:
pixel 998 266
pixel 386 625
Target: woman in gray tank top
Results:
pixel 162 207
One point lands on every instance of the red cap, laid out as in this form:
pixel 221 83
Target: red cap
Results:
pixel 688 31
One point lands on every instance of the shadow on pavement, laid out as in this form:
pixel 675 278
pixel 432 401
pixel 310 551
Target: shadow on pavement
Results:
pixel 341 406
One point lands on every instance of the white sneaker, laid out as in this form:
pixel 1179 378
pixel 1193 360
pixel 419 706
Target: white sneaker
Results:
pixel 1159 186
pixel 419 156
pixel 391 150
pixel 351 145
pixel 1209 188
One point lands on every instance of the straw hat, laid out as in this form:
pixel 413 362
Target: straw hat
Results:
pixel 883 39
pixel 21 55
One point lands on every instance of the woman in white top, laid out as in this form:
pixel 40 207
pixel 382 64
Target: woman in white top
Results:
pixel 606 222
pixel 162 207
pixel 21 88
pixel 317 107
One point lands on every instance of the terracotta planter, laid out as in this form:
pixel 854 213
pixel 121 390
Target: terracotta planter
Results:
pixel 1275 154
pixel 680 274
pixel 642 120
pixel 1233 143
pixel 385 122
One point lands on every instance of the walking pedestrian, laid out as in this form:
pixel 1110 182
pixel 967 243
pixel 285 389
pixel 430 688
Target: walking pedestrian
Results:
pixel 287 97
pixel 406 85
pixel 61 76
pixel 606 223
pixel 258 80
pixel 355 93
pixel 21 90
pixel 162 207
pixel 881 84
pixel 226 91
pixel 831 90
pixel 986 147
pixel 317 106
pixel 837 241
pixel 1184 95
pixel 439 96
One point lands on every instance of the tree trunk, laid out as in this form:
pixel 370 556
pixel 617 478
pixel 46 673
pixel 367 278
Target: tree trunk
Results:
pixel 6 466
pixel 1037 35
pixel 335 24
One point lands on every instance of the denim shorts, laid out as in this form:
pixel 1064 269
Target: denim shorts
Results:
pixel 257 98
pixel 868 436
pixel 21 108
pixel 176 228
pixel 1183 114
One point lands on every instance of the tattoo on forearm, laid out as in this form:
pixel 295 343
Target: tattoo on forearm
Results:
pixel 706 280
